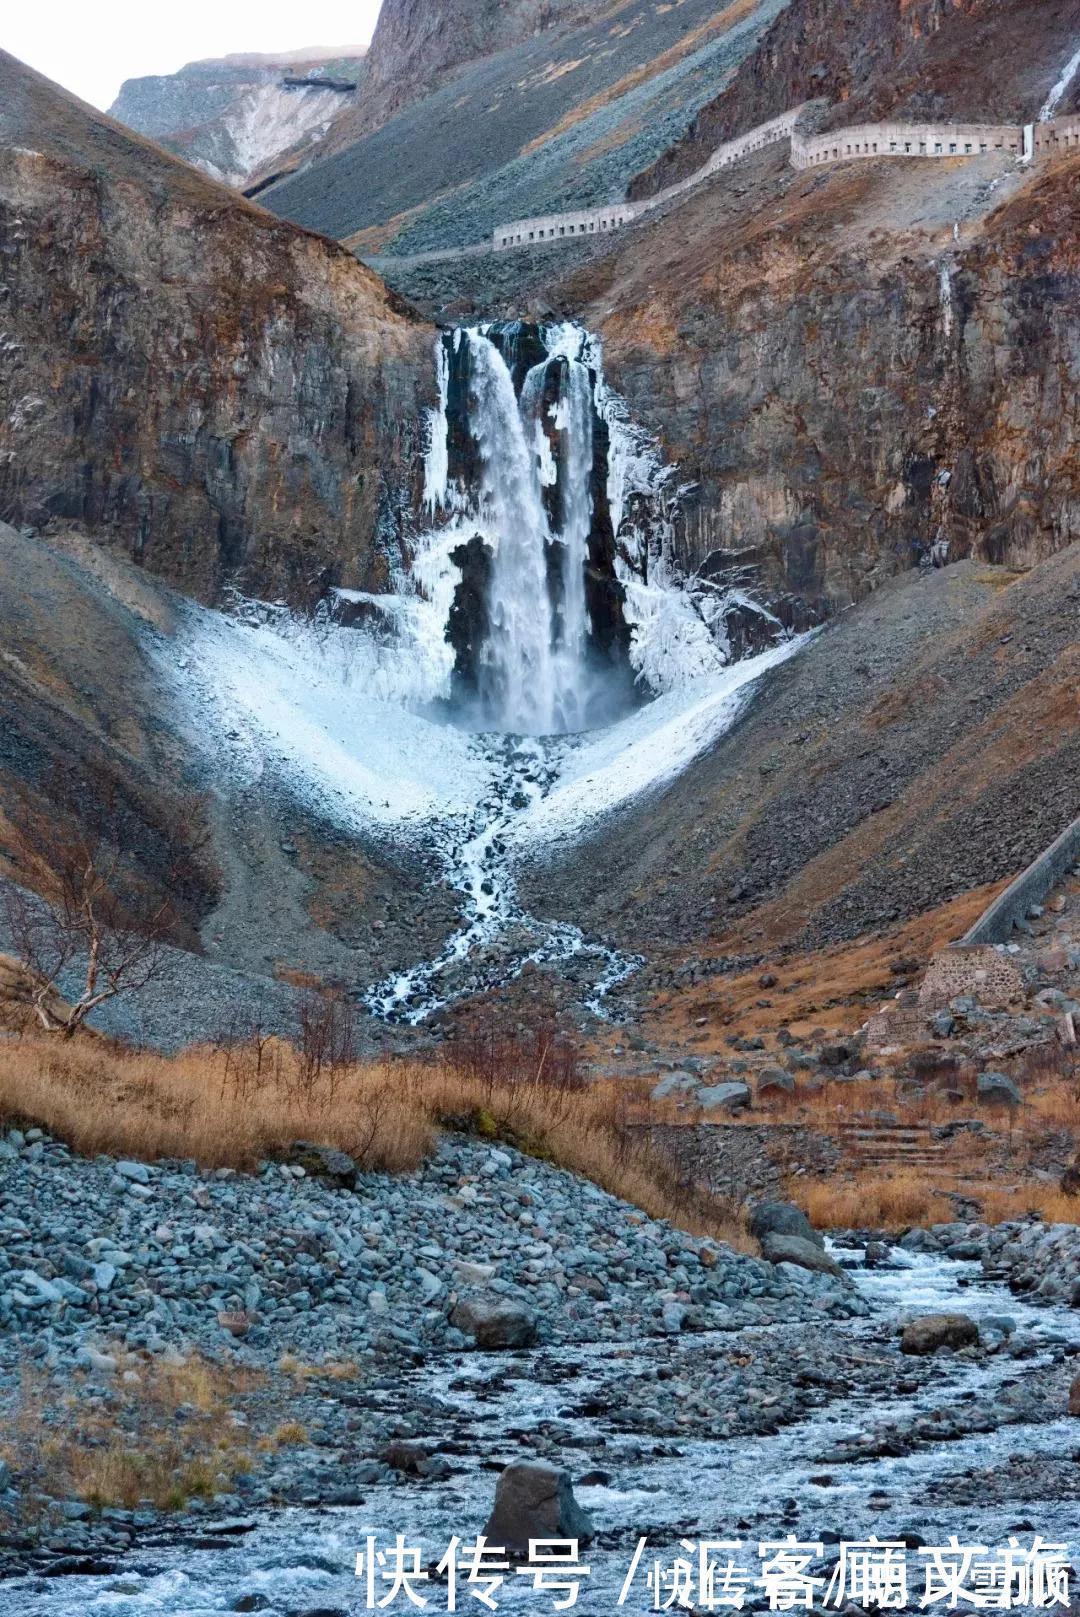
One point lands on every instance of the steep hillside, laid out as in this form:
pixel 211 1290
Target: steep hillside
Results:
pixel 923 59
pixel 567 116
pixel 235 117
pixel 415 41
pixel 925 745
pixel 220 394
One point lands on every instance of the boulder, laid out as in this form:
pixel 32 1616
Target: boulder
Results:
pixel 495 1322
pixel 774 1080
pixel 1074 1397
pixel 997 1089
pixel 793 1249
pixel 237 1322
pixel 535 1500
pixel 676 1083
pixel 783 1218
pixel 934 1331
pixel 323 1162
pixel 733 1097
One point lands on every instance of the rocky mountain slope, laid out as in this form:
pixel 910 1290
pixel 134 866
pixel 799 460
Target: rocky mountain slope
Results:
pixel 414 41
pixel 925 746
pixel 222 395
pixel 564 117
pixel 972 60
pixel 236 117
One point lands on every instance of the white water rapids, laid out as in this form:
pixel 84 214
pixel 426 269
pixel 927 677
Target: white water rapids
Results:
pixel 297 1560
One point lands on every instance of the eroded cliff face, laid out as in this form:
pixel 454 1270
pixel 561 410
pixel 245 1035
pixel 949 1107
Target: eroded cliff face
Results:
pixel 235 118
pixel 222 395
pixel 845 382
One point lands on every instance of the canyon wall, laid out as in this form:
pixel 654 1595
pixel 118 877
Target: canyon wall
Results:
pixel 222 395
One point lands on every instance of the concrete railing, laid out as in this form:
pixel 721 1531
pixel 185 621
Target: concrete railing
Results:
pixel 599 221
pixel 561 226
pixel 910 140
pixel 1058 137
pixel 996 924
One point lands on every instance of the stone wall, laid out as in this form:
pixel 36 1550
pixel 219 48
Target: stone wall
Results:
pixel 861 141
pixel 1058 137
pixel 996 924
pixel 971 968
pixel 593 221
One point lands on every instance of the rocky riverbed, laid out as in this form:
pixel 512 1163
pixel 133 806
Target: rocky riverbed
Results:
pixel 826 1430
pixel 689 1391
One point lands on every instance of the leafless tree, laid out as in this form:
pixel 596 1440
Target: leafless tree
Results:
pixel 74 908
pixel 326 1044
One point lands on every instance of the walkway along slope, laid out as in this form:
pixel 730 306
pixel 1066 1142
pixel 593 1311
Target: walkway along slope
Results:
pixel 1022 142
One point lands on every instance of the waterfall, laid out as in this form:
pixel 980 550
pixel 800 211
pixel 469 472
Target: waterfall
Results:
pixel 521 682
pixel 551 566
pixel 1058 93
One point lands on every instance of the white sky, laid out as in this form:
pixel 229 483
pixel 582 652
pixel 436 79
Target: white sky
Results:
pixel 90 48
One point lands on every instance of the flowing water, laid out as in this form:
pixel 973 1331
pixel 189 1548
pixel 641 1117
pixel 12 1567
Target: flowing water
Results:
pixel 740 1489
pixel 539 659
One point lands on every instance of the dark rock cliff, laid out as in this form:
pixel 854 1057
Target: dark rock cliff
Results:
pixel 844 381
pixel 215 391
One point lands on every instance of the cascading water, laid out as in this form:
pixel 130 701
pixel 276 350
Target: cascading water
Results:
pixel 541 607
pixel 512 464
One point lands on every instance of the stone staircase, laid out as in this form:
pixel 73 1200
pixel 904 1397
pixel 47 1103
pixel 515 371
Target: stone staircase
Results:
pixel 869 1142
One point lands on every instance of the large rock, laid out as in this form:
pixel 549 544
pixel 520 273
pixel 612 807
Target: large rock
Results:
pixel 733 1097
pixel 676 1083
pixel 775 1081
pixel 997 1089
pixel 793 1249
pixel 783 1218
pixel 323 1162
pixel 934 1331
pixel 495 1322
pixel 535 1500
pixel 1074 1397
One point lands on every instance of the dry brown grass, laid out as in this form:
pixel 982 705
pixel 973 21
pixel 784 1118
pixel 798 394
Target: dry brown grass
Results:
pixel 871 1200
pixel 165 1437
pixel 896 1200
pixel 1048 1202
pixel 236 1107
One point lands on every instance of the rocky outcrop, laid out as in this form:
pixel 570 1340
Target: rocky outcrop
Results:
pixel 232 118
pixel 222 395
pixel 535 1500
pixel 844 397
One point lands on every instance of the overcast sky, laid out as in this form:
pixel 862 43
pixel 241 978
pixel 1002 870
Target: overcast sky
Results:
pixel 91 48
